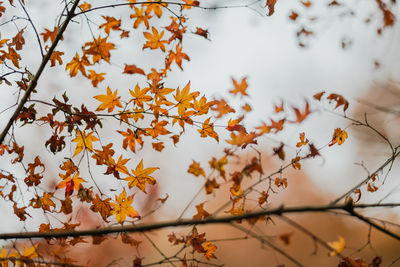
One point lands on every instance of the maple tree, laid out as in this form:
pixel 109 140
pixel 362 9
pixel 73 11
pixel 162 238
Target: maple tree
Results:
pixel 94 154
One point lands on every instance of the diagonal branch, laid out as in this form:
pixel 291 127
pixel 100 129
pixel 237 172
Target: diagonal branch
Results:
pixel 39 72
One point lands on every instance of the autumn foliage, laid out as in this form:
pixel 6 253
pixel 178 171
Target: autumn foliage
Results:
pixel 93 154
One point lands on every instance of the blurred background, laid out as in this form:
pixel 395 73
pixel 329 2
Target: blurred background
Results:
pixel 344 49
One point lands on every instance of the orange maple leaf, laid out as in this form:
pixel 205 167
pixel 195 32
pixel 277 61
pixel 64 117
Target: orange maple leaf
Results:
pixel 50 35
pixel 95 77
pixel 84 141
pixel 110 24
pixel 140 17
pixel 56 56
pixel 123 207
pixel 109 101
pixel 239 88
pixel 140 96
pixel 177 57
pixel 131 138
pixel 208 130
pixel 184 99
pixel 303 140
pixel 154 40
pixel 301 116
pixel 195 169
pixel 85 6
pixel 140 177
pixel 339 136
pixel 70 183
pixel 77 64
pixel 99 49
pixel 132 69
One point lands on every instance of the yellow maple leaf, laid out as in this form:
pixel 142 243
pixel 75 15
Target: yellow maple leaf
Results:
pixel 154 40
pixel 184 98
pixel 110 100
pixel 84 141
pixel 303 140
pixel 337 246
pixel 123 207
pixel 339 136
pixel 140 96
pixel 141 176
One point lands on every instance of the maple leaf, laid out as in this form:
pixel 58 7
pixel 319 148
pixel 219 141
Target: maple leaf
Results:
pixel 293 16
pixel 70 183
pixel 99 49
pixel 190 3
pixel 158 129
pixel 219 165
pixel 154 40
pixel 209 248
pixel 109 101
pixel 18 40
pixel 159 146
pixel 201 212
pixel 123 207
pixel 281 182
pixel 201 32
pixel 246 107
pixel 318 96
pixel 184 98
pixel 76 65
pixel 303 140
pixel 156 8
pixel 340 100
pixel 271 6
pixel 84 141
pixel 50 35
pixel 208 130
pixel 296 163
pixel 210 185
pixel 56 56
pixel 337 246
pixel 202 106
pixel 140 17
pixel 301 116
pixel 132 69
pixel 243 139
pixel 95 77
pixel 140 95
pixel 177 57
pixel 140 177
pixel 115 168
pixel 339 136
pixel 222 108
pixel 110 24
pixel 195 169
pixel 102 206
pixel 239 88
pixel 263 198
pixel 85 6
pixel 130 140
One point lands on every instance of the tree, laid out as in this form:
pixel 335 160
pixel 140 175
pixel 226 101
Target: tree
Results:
pixel 86 175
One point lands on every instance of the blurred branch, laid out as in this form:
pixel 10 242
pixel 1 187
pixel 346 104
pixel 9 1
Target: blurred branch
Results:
pixel 348 207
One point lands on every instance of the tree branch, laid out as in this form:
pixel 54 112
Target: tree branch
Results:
pixel 35 79
pixel 349 207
